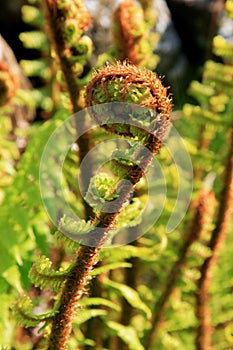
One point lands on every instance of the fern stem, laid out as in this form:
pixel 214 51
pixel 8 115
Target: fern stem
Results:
pixel 204 332
pixel 194 234
pixel 55 18
pixel 71 293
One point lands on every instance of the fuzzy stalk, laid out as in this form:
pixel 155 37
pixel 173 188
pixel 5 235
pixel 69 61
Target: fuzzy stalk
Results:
pixel 71 293
pixel 205 329
pixel 205 199
pixel 86 259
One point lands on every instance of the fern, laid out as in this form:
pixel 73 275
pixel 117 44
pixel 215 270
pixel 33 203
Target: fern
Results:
pixel 109 267
pixel 43 276
pixel 84 315
pixel 23 311
pixel 129 281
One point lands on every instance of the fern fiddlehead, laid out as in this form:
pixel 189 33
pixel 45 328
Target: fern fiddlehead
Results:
pixel 132 39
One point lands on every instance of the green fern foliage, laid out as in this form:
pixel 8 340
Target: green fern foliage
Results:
pixel 32 15
pixel 23 311
pixel 41 275
pixel 131 296
pixel 127 334
pixel 159 274
pixel 42 70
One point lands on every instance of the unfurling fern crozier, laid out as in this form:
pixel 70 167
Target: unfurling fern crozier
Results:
pixel 127 84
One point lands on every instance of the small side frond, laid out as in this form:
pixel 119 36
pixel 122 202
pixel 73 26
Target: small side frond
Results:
pixel 102 189
pixel 43 276
pixel 100 302
pixel 23 312
pixel 106 268
pixel 69 243
pixel 72 231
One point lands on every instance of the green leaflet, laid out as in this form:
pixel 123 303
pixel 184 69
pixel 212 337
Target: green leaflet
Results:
pixel 84 315
pixel 229 8
pixel 127 334
pixel 43 276
pixel 32 15
pixel 36 68
pixel 149 252
pixel 131 215
pixel 102 188
pixel 73 227
pixel 130 295
pixel 71 231
pixel 34 40
pixel 22 216
pixel 12 276
pixel 202 92
pixel 6 324
pixel 100 302
pixel 69 243
pixel 170 341
pixel 23 312
pixel 106 268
